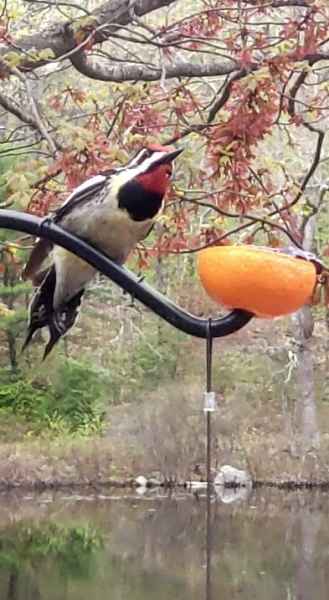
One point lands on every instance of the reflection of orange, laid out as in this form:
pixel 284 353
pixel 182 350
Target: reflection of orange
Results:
pixel 259 280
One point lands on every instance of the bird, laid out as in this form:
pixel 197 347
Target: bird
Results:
pixel 113 211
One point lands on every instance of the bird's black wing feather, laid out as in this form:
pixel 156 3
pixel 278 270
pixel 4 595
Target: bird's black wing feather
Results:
pixel 39 253
pixel 83 193
pixel 62 320
pixel 41 306
pixel 42 313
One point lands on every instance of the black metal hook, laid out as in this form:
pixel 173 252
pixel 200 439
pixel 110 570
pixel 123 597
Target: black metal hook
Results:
pixel 157 302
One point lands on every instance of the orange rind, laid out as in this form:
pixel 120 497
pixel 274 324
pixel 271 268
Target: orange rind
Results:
pixel 258 280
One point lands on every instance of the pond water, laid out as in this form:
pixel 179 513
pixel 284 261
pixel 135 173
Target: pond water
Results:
pixel 112 546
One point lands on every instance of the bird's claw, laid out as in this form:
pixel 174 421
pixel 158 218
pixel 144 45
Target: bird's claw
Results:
pixel 44 221
pixel 132 296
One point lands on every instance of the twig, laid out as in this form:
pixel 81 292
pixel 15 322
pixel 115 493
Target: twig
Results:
pixel 252 218
pixel 35 112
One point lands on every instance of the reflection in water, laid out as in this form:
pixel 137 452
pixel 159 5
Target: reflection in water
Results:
pixel 66 548
pixel 306 576
pixel 25 548
pixel 208 594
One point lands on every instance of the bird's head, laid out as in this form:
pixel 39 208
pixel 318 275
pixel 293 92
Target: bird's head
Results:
pixel 147 177
pixel 153 166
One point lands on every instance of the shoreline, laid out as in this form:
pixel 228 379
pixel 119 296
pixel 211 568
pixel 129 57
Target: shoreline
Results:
pixel 194 486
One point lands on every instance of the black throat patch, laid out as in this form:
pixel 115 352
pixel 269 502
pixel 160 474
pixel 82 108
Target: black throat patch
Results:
pixel 141 204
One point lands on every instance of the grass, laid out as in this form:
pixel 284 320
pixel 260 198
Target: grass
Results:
pixel 154 425
pixel 56 463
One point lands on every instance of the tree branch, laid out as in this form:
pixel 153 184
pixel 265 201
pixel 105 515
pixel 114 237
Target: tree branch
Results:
pixel 11 106
pixel 64 40
pixel 61 38
pixel 58 3
pixel 34 119
pixel 280 3
pixel 133 72
pixel 252 218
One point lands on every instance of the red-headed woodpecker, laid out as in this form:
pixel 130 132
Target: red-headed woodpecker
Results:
pixel 113 211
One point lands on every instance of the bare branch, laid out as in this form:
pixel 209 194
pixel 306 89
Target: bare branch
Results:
pixel 64 41
pixel 129 72
pixel 36 116
pixel 225 94
pixel 61 38
pixel 60 3
pixel 38 119
pixel 11 106
pixel 252 218
pixel 280 3
pixel 321 134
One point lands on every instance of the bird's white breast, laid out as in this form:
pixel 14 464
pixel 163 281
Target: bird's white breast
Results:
pixel 108 228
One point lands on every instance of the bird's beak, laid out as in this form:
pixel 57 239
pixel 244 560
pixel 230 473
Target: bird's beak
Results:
pixel 169 156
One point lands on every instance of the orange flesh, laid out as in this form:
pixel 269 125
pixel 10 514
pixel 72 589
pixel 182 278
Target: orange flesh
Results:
pixel 261 281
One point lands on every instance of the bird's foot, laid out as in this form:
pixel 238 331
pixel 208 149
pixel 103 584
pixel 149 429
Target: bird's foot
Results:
pixel 47 220
pixel 132 296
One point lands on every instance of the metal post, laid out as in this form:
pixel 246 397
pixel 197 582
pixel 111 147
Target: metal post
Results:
pixel 209 398
pixel 209 407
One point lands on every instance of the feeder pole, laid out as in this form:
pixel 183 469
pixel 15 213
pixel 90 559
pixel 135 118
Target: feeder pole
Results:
pixel 209 399
pixel 208 408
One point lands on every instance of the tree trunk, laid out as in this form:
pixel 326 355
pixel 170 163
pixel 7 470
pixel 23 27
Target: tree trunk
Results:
pixel 12 593
pixel 306 425
pixel 306 583
pixel 12 350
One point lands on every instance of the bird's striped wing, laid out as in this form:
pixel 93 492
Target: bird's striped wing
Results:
pixel 38 255
pixel 83 193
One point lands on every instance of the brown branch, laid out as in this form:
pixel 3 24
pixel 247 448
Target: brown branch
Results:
pixel 105 21
pixel 280 3
pixel 135 72
pixel 252 218
pixel 225 94
pixel 11 106
pixel 214 242
pixel 33 119
pixel 315 162
pixel 58 3
pixel 60 38
pixel 321 134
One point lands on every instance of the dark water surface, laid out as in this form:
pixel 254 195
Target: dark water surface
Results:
pixel 109 546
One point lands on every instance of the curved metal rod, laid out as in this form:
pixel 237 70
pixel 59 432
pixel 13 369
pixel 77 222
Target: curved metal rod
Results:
pixel 157 302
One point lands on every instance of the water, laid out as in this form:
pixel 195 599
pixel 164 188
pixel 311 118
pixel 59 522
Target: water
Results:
pixel 67 547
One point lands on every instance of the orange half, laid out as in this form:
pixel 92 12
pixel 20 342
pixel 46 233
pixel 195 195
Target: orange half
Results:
pixel 258 280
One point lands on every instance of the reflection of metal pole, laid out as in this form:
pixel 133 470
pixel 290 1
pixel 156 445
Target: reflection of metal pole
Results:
pixel 209 398
pixel 167 310
pixel 209 407
pixel 208 545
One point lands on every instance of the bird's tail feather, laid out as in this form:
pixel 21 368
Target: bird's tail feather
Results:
pixel 62 320
pixel 39 253
pixel 42 313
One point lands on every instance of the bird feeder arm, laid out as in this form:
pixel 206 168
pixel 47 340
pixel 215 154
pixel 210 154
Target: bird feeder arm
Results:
pixel 128 281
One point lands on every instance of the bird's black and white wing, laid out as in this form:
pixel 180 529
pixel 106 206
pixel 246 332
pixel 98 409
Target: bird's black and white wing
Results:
pixel 82 194
pixel 92 187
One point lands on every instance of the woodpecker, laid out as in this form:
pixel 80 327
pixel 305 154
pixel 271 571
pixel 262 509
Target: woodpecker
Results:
pixel 113 211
